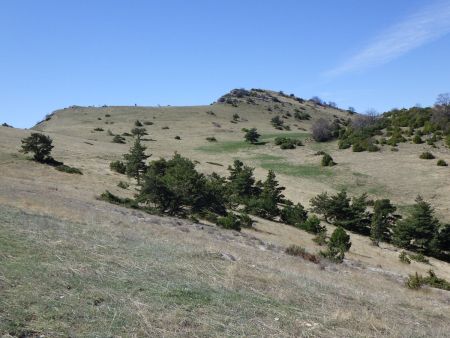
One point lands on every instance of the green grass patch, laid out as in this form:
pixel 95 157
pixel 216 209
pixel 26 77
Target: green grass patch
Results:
pixel 302 170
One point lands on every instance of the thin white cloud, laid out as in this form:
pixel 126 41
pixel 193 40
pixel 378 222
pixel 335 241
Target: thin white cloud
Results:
pixel 426 25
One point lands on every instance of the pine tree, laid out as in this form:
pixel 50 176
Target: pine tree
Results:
pixel 271 188
pixel 418 231
pixel 241 181
pixel 39 144
pixel 383 219
pixel 135 160
pixel 338 245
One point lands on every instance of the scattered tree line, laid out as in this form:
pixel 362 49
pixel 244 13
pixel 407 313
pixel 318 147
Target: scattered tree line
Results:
pixel 419 232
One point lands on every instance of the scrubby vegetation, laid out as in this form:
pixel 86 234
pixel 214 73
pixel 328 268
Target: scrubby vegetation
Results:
pixel 118 167
pixel 327 161
pixel 426 156
pixel 287 142
pixel 416 281
pixel 119 139
pixel 68 169
pixel 396 126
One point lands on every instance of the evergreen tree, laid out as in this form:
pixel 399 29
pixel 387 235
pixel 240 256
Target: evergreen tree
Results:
pixel 135 160
pixel 38 144
pixel 293 214
pixel 383 219
pixel 338 245
pixel 241 181
pixel 252 135
pixel 271 188
pixel 418 231
pixel 265 203
pixel 342 211
pixel 138 131
pixel 175 187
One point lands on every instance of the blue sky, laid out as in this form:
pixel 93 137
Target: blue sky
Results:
pixel 368 54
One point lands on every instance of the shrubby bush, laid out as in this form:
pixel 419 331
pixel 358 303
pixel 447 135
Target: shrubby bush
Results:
pixel 327 161
pixel 119 139
pixel 68 169
pixel 442 163
pixel 293 214
pixel 118 167
pixel 288 143
pixel 322 131
pixel 426 156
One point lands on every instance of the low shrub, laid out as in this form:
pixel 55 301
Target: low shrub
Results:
pixel 118 139
pixel 327 161
pixel 296 250
pixel 111 198
pixel 403 257
pixel 417 139
pixel 442 163
pixel 177 137
pixel 98 129
pixel 68 169
pixel 312 225
pixel 416 281
pixel 418 257
pixel 321 238
pixel 211 139
pixel 123 185
pixel 148 123
pixel 138 123
pixel 230 221
pixel 426 156
pixel 293 214
pixel 118 167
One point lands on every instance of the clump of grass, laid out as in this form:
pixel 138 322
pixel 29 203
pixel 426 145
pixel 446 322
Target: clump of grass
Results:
pixel 426 156
pixel 211 139
pixel 98 129
pixel 442 163
pixel 68 169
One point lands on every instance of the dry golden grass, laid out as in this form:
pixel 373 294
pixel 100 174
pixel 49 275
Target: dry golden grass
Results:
pixel 190 287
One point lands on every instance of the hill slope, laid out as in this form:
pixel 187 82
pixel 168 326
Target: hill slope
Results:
pixel 74 265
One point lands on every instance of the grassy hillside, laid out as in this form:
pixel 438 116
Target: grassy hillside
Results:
pixel 74 265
